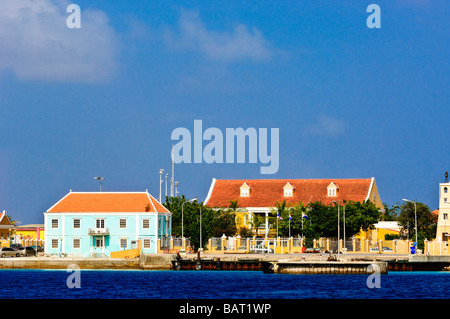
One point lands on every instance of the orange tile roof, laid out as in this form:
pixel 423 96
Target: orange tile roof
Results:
pixel 266 192
pixel 107 202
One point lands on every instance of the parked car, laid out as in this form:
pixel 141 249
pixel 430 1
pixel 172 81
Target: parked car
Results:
pixel 8 252
pixel 27 251
pixel 39 249
pixel 387 249
pixel 261 249
pixel 16 246
pixel 374 249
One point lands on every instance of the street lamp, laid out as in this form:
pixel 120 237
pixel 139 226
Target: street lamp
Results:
pixel 160 182
pixel 166 182
pixel 201 246
pixel 100 179
pixel 415 215
pixel 338 226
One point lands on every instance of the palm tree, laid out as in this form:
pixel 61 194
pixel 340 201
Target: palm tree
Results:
pixel 256 222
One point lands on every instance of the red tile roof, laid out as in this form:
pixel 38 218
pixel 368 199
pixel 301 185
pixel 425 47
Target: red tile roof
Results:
pixel 107 202
pixel 266 192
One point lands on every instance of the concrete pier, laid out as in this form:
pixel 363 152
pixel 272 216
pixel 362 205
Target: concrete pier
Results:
pixel 327 267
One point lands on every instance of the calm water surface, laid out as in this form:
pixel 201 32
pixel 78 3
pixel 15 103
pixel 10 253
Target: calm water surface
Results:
pixel 137 284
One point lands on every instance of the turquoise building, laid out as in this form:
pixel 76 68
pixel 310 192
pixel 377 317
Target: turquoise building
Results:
pixel 97 223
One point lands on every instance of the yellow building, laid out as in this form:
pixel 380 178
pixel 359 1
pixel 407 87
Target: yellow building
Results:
pixel 31 232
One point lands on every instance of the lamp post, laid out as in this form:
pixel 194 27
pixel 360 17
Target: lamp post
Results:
pixel 415 215
pixel 160 182
pixel 345 249
pixel 339 238
pixel 166 182
pixel 201 246
pixel 100 179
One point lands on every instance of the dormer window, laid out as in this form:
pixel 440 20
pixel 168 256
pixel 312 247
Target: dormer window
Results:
pixel 288 190
pixel 245 190
pixel 332 190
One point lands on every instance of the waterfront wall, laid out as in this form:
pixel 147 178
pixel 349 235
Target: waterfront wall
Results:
pixel 66 262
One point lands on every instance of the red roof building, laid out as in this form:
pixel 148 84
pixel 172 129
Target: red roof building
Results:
pixel 259 196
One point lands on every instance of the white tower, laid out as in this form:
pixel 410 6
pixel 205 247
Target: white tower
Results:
pixel 443 226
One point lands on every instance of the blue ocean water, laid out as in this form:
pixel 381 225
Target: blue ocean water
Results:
pixel 140 284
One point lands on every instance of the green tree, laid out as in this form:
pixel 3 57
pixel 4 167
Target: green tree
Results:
pixel 426 221
pixel 281 210
pixel 214 222
pixel 391 213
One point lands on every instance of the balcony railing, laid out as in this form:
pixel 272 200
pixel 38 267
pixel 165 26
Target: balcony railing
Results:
pixel 98 231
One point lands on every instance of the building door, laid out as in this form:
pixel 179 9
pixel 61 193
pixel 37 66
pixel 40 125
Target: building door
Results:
pixel 99 243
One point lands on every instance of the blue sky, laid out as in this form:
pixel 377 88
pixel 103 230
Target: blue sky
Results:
pixel 102 100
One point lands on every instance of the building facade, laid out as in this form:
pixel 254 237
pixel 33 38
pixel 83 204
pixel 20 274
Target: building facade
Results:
pixel 443 226
pixel 31 232
pixel 6 227
pixel 259 197
pixel 98 223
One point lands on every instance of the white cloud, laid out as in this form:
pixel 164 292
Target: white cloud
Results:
pixel 240 44
pixel 36 44
pixel 325 126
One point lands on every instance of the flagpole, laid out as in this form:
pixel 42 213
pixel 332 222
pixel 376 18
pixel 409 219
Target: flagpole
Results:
pixel 290 219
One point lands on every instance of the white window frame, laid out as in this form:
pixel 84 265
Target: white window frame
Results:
pixel 76 242
pixel 55 221
pixel 123 243
pixel 146 243
pixel 288 192
pixel 145 221
pixel 100 222
pixel 55 243
pixel 331 192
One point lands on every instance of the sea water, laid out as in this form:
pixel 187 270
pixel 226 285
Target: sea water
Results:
pixel 144 284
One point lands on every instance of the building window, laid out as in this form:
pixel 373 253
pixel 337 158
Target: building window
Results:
pixel 245 190
pixel 146 243
pixel 123 243
pixel 55 223
pixel 445 189
pixel 55 243
pixel 123 223
pixel 76 223
pixel 76 243
pixel 146 223
pixel 445 216
pixel 445 199
pixel 331 192
pixel 100 223
pixel 288 192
